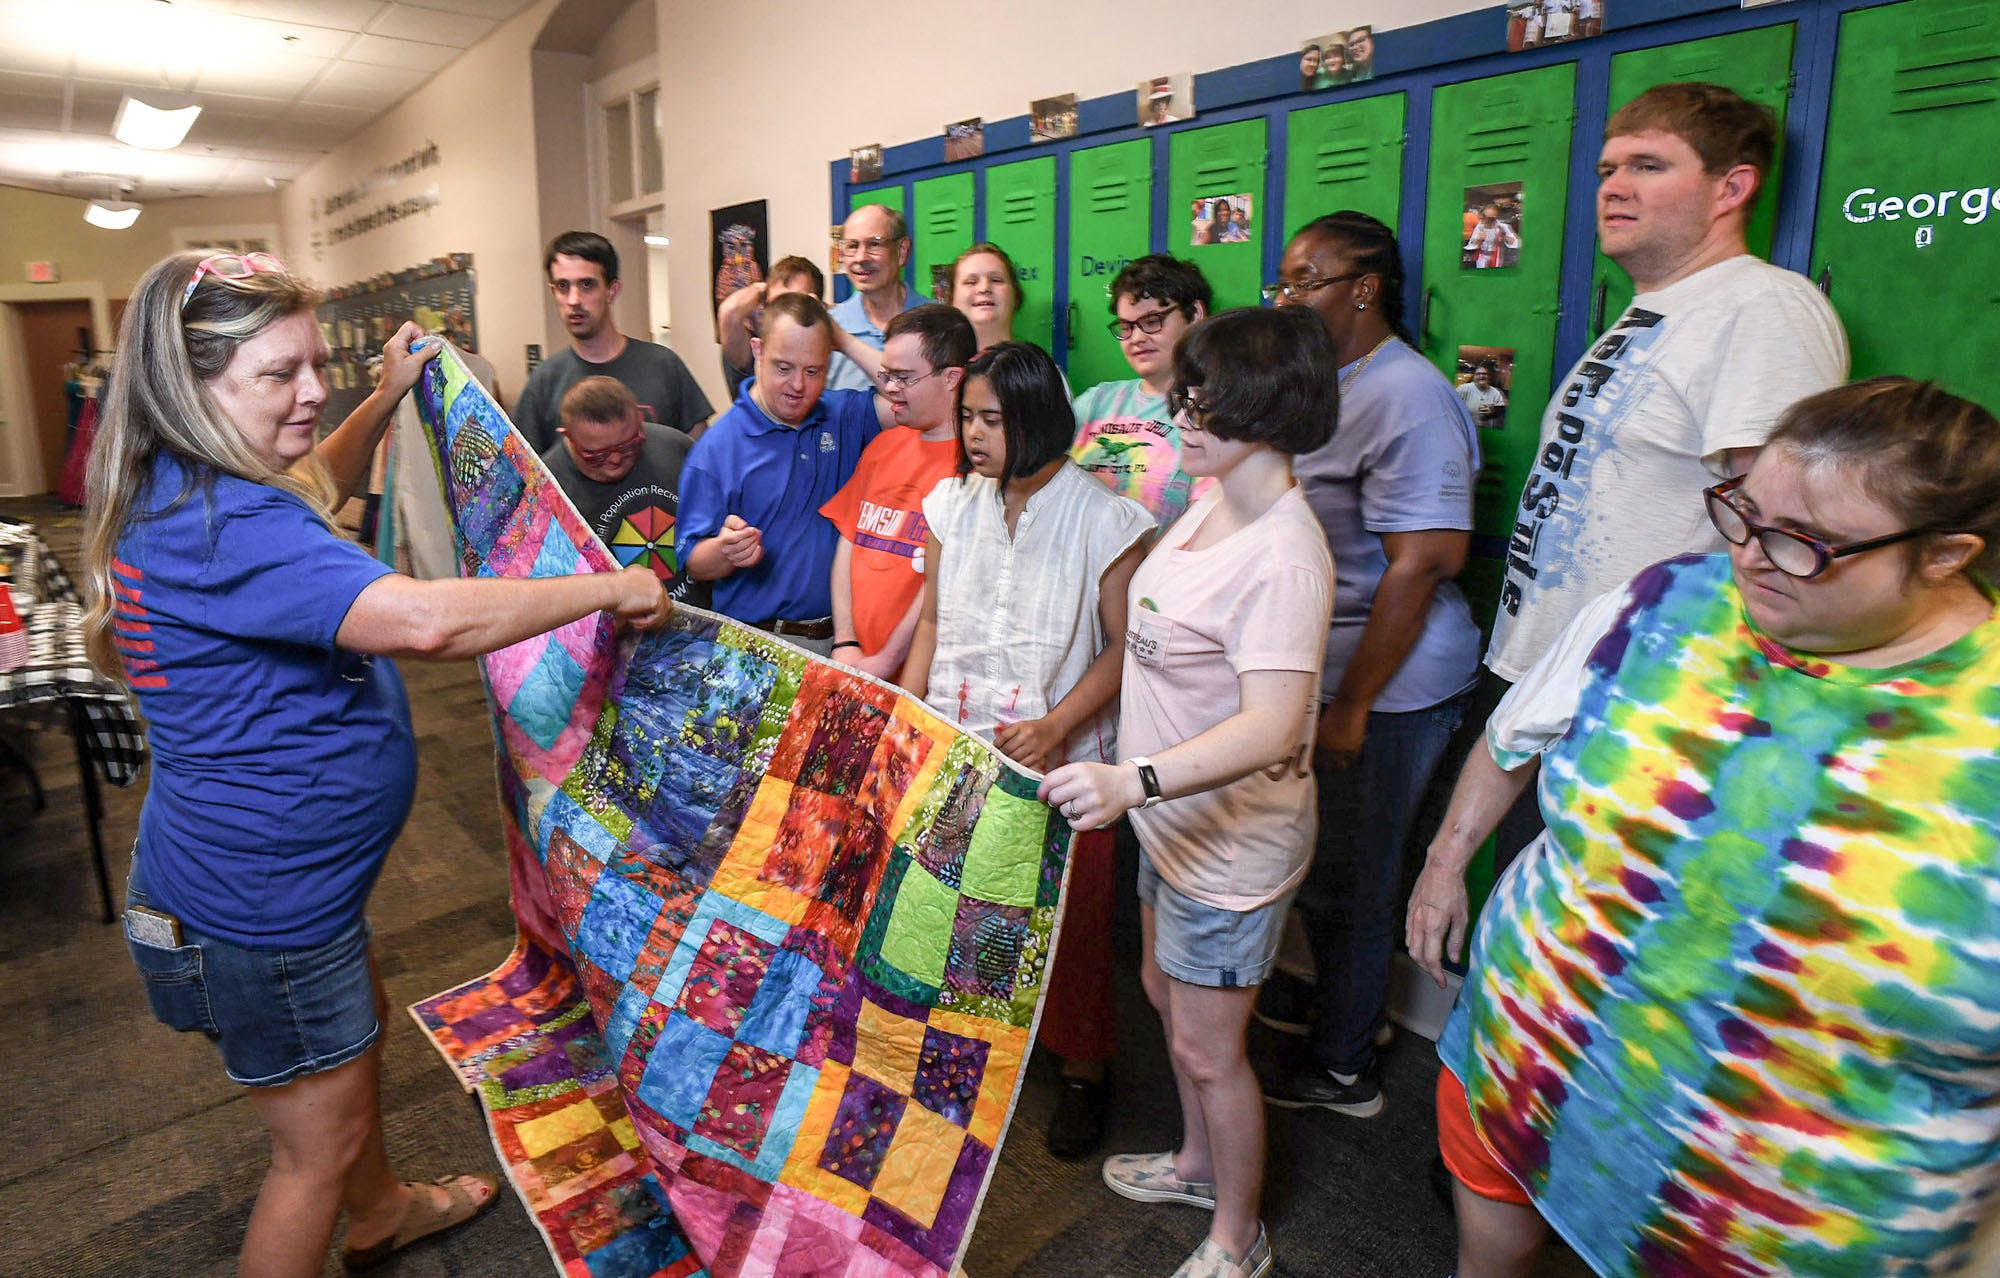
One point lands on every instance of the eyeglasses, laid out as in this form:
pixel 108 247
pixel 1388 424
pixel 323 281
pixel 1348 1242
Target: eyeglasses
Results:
pixel 1182 403
pixel 615 453
pixel 1152 322
pixel 891 377
pixel 232 266
pixel 1795 554
pixel 1299 290
pixel 873 246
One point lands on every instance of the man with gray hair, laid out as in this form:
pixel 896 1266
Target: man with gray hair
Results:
pixel 874 249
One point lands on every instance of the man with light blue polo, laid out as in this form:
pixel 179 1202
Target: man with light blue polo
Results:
pixel 752 489
pixel 874 249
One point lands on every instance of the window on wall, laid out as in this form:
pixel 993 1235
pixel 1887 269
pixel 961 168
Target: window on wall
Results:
pixel 626 111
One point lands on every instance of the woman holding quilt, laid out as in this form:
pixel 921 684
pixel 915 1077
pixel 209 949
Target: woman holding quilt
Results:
pixel 1738 1010
pixel 258 639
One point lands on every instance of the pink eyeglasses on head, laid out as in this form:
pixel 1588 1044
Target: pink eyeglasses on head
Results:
pixel 232 266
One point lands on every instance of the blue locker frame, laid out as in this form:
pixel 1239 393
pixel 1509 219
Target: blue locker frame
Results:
pixel 1418 60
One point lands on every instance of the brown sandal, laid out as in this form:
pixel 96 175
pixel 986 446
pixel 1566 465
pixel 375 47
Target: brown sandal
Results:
pixel 422 1219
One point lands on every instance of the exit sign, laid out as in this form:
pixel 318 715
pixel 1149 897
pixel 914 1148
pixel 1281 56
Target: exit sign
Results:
pixel 43 273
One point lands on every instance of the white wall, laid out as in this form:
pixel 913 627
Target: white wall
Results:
pixel 480 111
pixel 750 115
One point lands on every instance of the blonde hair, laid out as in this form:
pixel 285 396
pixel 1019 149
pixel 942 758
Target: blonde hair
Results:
pixel 158 401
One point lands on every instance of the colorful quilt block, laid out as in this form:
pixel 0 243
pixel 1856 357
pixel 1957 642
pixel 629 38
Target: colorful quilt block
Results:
pixel 943 847
pixel 776 1019
pixel 987 946
pixel 918 1166
pixel 917 941
pixel 813 822
pixel 615 924
pixel 895 780
pixel 1003 859
pixel 863 1128
pixel 743 1098
pixel 843 741
pixel 888 1046
pixel 727 971
pixel 572 878
pixel 685 1056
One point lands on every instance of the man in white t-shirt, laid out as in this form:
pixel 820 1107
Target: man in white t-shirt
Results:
pixel 1486 402
pixel 1681 390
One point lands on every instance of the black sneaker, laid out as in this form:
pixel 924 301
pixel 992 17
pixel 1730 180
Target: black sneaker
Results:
pixel 1078 1123
pixel 1310 1087
pixel 1285 1004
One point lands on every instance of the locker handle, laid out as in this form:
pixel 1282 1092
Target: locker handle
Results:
pixel 1826 280
pixel 1071 318
pixel 1424 316
pixel 1597 307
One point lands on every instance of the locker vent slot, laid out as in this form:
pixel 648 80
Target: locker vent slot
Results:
pixel 1502 146
pixel 1018 206
pixel 946 219
pixel 1971 80
pixel 1110 195
pixel 1345 161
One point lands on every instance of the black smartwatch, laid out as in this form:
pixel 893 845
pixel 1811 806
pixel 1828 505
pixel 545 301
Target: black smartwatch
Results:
pixel 1148 782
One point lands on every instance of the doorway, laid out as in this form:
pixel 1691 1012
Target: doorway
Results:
pixel 53 334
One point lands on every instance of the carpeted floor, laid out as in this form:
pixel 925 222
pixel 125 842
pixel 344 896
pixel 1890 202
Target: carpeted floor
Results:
pixel 129 1152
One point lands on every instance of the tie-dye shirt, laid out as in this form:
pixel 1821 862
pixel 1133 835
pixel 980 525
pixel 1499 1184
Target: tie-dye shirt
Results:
pixel 1126 437
pixel 1738 1010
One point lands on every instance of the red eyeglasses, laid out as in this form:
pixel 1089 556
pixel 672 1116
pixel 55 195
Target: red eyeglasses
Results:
pixel 232 266
pixel 604 456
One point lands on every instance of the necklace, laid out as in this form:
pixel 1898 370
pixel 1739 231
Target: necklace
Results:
pixel 1361 365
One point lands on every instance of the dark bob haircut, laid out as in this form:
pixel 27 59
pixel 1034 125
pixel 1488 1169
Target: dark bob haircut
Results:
pixel 1029 386
pixel 1266 376
pixel 1162 277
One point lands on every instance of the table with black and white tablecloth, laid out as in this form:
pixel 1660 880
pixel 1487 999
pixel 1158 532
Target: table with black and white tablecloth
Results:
pixel 101 717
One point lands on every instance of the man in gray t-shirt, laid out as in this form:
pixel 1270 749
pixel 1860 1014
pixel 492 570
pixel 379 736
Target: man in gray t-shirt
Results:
pixel 582 270
pixel 623 475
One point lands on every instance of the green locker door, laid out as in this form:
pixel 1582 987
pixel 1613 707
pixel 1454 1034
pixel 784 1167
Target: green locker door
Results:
pixel 1758 65
pixel 1347 155
pixel 1207 166
pixel 1110 223
pixel 1907 236
pixel 940 227
pixel 1021 218
pixel 1488 134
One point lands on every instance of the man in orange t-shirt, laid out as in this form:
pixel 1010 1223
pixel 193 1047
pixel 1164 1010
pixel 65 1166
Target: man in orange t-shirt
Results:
pixel 878 568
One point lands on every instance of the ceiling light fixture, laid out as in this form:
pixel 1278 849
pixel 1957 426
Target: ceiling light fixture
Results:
pixel 112 215
pixel 154 119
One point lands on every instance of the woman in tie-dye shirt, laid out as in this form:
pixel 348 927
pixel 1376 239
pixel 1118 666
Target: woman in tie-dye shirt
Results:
pixel 1738 1010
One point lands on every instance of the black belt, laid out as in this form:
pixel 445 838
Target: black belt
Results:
pixel 817 628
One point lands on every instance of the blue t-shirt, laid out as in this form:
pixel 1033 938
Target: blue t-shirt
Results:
pixel 843 373
pixel 776 477
pixel 283 768
pixel 1403 460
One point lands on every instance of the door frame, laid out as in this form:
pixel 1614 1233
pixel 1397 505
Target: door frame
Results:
pixel 20 450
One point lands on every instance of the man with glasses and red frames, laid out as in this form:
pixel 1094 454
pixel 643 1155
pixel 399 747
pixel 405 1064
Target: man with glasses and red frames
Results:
pixel 582 270
pixel 874 249
pixel 623 474
pixel 1126 436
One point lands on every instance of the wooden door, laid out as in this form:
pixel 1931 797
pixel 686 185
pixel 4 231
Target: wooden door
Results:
pixel 49 335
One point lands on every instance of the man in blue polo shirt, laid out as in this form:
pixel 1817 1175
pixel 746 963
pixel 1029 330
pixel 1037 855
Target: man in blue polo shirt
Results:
pixel 752 488
pixel 874 249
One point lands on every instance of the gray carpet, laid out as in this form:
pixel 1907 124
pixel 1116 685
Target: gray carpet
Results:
pixel 129 1152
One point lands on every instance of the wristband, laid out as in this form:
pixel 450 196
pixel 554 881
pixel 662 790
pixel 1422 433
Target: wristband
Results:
pixel 844 643
pixel 1149 784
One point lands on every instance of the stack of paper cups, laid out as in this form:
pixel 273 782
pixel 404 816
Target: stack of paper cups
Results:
pixel 13 635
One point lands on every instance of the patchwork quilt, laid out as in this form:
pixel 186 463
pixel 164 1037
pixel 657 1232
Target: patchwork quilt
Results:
pixel 784 931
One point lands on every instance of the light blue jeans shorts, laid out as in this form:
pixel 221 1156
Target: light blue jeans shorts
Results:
pixel 1203 945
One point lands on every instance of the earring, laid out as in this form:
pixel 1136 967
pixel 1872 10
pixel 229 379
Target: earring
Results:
pixel 1361 306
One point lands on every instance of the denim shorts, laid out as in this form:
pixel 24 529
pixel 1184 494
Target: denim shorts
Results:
pixel 274 1014
pixel 1203 945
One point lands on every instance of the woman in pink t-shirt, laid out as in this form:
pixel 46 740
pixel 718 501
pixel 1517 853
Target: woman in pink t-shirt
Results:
pixel 1224 636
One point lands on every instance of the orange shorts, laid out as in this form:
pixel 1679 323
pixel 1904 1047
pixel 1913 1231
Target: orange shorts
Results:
pixel 1465 1154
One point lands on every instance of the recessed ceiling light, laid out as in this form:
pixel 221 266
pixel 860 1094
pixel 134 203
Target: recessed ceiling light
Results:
pixel 112 215
pixel 657 241
pixel 154 120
